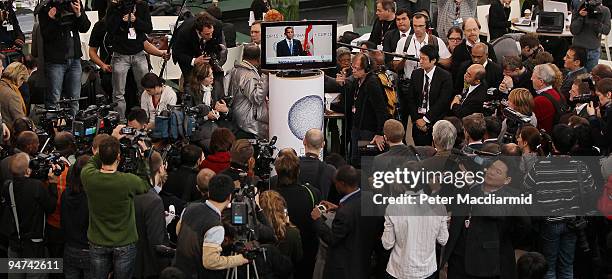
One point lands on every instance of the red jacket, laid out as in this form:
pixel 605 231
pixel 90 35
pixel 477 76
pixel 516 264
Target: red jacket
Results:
pixel 217 162
pixel 545 111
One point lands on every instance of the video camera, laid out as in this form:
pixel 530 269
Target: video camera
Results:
pixel 124 6
pixel 592 8
pixel 65 15
pixel 130 149
pixel 41 163
pixel 514 120
pixel 263 153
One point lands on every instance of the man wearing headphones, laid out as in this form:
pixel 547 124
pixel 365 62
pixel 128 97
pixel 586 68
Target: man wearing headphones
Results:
pixel 368 97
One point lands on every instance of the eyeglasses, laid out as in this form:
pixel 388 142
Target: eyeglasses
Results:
pixel 454 39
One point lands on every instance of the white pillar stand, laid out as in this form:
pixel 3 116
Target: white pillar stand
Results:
pixel 296 105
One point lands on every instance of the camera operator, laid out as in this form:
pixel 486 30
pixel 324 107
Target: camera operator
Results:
pixel 589 22
pixel 250 91
pixel 112 230
pixel 521 101
pixel 555 184
pixel 601 117
pixel 200 40
pixel 241 161
pixel 580 95
pixel 11 36
pixel 137 119
pixel 60 24
pixel 31 200
pixel 129 22
pixel 26 142
pixel 198 250
pixel 183 182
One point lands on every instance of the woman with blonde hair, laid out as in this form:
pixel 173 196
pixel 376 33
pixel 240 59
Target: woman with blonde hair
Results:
pixel 11 101
pixel 521 101
pixel 275 209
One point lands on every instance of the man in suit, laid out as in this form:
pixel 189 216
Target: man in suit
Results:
pixel 352 236
pixel 312 170
pixel 574 62
pixel 472 98
pixel 289 46
pixel 479 55
pixel 463 52
pixel 196 40
pixel 391 38
pixel 481 245
pixel 429 95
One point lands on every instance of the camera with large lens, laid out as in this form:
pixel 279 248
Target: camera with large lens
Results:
pixel 263 153
pixel 592 8
pixel 65 15
pixel 41 163
pixel 514 120
pixel 130 149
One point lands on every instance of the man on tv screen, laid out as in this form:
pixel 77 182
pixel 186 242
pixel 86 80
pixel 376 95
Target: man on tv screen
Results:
pixel 289 46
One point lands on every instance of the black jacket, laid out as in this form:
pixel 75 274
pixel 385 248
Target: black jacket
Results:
pixel 149 211
pixel 120 29
pixel 7 38
pixel 499 23
pixel 182 183
pixel 370 105
pixel 473 103
pixel 33 201
pixel 229 31
pixel 566 86
pixel 56 36
pixel 486 248
pixel 282 48
pixel 318 174
pixel 379 29
pixel 75 218
pixel 350 240
pixel 440 94
pixel 259 8
pixel 463 53
pixel 187 44
pixel 493 77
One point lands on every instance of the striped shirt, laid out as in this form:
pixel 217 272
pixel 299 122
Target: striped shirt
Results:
pixel 555 186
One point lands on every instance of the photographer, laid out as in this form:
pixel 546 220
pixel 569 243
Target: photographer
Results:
pixel 156 96
pixel 137 119
pixel 11 36
pixel 60 23
pixel 521 101
pixel 30 200
pixel 589 22
pixel 112 229
pixel 578 92
pixel 200 40
pixel 241 161
pixel 183 182
pixel 601 117
pixel 198 250
pixel 528 138
pixel 555 184
pixel 26 142
pixel 129 22
pixel 250 92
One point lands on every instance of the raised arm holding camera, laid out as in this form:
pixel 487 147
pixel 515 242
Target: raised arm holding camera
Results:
pixel 60 25
pixel 129 21
pixel 589 22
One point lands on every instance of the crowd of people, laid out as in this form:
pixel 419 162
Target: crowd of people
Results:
pixel 417 95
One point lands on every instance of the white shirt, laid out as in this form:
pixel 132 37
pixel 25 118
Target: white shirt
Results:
pixel 430 76
pixel 467 42
pixel 470 89
pixel 413 50
pixel 349 195
pixel 290 45
pixel 216 234
pixel 544 89
pixel 412 232
pixel 168 97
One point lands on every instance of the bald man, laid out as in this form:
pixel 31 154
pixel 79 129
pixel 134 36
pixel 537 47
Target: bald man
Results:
pixel 313 170
pixel 480 52
pixel 471 99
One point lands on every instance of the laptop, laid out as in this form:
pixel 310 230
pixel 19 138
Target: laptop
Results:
pixel 554 6
pixel 551 22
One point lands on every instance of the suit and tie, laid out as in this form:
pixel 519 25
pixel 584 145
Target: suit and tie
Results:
pixel 429 97
pixel 471 101
pixel 493 77
pixel 288 47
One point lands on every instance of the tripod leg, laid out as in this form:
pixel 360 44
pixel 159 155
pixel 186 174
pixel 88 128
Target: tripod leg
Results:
pixel 255 268
pixel 248 271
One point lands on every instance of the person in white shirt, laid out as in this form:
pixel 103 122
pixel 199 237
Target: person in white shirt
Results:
pixel 156 96
pixel 411 232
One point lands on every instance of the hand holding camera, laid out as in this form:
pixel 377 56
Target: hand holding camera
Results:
pixel 52 12
pixel 221 106
pixel 53 173
pixel 76 8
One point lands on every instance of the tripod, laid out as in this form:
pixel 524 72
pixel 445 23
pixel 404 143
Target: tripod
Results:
pixel 234 270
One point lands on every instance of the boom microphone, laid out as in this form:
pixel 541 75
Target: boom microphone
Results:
pixel 407 57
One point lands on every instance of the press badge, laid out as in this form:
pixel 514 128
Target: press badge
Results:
pixel 9 27
pixel 458 22
pixel 422 111
pixel 132 34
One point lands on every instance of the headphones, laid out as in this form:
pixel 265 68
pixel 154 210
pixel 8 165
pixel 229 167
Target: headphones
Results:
pixel 424 14
pixel 367 67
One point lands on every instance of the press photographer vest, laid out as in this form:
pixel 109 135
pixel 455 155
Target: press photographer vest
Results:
pixel 196 221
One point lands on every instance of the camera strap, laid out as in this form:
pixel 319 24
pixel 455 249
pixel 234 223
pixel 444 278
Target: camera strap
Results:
pixel 14 207
pixel 311 195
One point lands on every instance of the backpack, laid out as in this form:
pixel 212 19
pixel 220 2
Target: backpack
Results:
pixel 561 107
pixel 174 124
pixel 604 204
pixel 392 102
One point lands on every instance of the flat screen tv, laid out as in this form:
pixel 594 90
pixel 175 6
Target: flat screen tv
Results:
pixel 298 45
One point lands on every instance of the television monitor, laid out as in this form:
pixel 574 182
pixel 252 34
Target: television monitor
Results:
pixel 312 45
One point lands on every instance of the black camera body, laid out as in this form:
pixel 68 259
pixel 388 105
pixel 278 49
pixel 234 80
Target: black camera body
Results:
pixel 514 120
pixel 65 15
pixel 124 6
pixel 264 156
pixel 592 8
pixel 41 163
